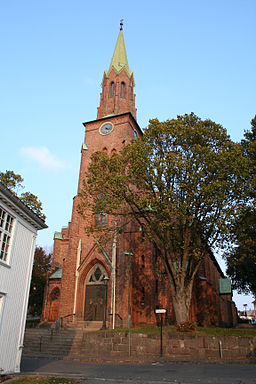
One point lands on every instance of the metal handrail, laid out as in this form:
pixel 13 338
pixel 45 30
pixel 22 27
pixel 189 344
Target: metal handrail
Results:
pixel 54 328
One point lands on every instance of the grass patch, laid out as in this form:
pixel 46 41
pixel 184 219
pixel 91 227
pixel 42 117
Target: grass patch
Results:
pixel 201 331
pixel 227 332
pixel 44 380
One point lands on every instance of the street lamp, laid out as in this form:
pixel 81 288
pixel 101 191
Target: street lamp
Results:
pixel 245 313
pixel 105 280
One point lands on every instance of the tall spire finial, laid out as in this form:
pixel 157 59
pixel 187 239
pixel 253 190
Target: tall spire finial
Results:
pixel 121 24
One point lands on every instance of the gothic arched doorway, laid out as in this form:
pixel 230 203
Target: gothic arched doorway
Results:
pixel 54 305
pixel 95 294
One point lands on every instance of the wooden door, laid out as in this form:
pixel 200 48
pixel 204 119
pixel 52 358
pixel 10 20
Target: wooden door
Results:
pixel 95 301
pixel 54 310
pixel 54 305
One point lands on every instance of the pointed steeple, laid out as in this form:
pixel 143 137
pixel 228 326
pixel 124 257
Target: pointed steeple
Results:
pixel 119 59
pixel 117 84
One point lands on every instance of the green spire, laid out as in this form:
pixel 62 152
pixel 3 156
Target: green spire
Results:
pixel 119 60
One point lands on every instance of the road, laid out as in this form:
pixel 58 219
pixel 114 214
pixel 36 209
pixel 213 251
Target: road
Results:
pixel 143 373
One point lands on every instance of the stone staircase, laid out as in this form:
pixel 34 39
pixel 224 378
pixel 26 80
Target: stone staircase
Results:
pixel 65 341
pixel 62 343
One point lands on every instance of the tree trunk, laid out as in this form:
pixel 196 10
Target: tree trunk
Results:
pixel 181 304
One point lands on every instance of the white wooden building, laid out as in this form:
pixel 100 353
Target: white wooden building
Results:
pixel 18 231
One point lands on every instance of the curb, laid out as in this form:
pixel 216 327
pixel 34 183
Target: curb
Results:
pixel 130 360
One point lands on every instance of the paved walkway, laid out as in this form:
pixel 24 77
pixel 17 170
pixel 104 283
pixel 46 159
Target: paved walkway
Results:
pixel 137 372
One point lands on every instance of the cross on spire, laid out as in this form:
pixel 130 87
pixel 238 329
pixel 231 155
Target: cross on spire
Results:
pixel 121 24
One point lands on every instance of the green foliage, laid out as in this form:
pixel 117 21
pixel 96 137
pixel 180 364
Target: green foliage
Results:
pixel 188 326
pixel 44 380
pixel 41 267
pixel 183 182
pixel 202 331
pixel 33 203
pixel 241 261
pixel 13 182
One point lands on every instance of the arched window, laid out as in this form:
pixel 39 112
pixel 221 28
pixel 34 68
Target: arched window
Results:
pixel 101 219
pixel 55 294
pixel 113 152
pixel 112 89
pixel 122 89
pixel 105 150
pixel 96 275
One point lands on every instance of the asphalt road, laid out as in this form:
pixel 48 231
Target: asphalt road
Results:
pixel 142 373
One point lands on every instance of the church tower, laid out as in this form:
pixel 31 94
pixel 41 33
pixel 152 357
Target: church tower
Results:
pixel 85 262
pixel 117 84
pixel 116 122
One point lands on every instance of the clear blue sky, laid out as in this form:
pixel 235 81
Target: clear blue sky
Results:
pixel 186 56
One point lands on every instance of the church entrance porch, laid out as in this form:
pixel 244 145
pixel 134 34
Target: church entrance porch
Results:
pixel 95 305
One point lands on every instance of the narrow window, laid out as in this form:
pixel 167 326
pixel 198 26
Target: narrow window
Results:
pixel 122 89
pixel 143 296
pixel 113 152
pixel 156 287
pixel 6 226
pixel 112 89
pixel 101 219
pixel 105 150
pixel 143 261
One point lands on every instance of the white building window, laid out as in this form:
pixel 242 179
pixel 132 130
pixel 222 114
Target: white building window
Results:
pixel 6 226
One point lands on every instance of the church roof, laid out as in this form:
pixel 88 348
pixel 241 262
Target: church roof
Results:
pixel 119 60
pixel 57 274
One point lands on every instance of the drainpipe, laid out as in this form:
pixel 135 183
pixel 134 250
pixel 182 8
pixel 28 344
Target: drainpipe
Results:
pixel 78 258
pixel 113 273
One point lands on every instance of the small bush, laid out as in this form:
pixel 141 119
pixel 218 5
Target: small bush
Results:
pixel 252 354
pixel 188 326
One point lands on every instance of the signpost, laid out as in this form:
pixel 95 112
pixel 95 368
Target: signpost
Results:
pixel 161 312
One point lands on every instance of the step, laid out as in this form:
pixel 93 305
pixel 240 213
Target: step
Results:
pixel 85 325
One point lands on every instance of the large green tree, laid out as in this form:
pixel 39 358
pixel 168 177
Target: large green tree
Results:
pixel 182 181
pixel 13 182
pixel 41 267
pixel 241 261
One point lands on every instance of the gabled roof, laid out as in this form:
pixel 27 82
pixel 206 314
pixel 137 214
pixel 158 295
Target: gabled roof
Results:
pixel 20 208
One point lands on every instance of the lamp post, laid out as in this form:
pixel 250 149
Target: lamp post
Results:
pixel 245 313
pixel 161 312
pixel 106 279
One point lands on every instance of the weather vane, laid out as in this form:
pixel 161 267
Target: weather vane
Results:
pixel 121 24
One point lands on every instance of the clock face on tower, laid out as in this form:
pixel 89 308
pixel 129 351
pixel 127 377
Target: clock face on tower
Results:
pixel 106 128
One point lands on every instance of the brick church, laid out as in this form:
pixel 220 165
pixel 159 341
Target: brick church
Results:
pixel 119 280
